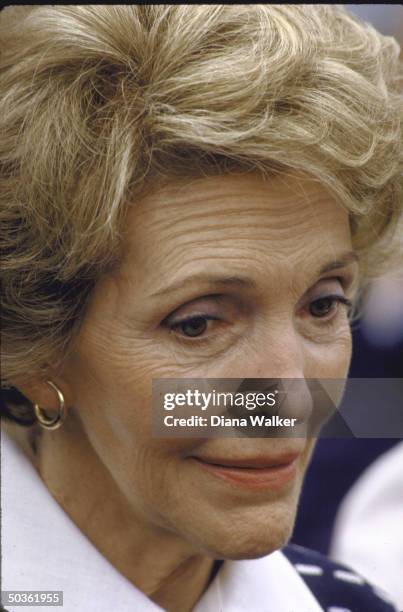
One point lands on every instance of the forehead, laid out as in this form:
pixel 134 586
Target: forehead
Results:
pixel 233 219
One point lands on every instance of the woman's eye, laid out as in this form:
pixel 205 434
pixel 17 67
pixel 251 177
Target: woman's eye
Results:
pixel 193 327
pixel 325 306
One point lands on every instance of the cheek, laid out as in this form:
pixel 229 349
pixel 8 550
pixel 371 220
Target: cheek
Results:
pixel 112 376
pixel 331 360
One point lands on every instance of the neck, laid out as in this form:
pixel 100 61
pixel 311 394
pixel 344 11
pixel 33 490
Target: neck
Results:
pixel 156 561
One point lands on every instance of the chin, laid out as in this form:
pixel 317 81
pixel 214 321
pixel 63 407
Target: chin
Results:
pixel 252 547
pixel 251 539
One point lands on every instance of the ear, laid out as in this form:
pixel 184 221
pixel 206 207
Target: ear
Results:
pixel 38 391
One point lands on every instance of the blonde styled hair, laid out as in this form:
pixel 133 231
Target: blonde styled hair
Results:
pixel 99 103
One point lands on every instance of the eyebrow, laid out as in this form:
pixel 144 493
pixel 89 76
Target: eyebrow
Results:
pixel 243 282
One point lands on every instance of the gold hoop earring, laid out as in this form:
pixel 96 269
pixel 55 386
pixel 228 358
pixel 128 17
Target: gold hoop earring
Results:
pixel 54 422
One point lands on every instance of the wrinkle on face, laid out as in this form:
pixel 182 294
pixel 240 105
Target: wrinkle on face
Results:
pixel 227 228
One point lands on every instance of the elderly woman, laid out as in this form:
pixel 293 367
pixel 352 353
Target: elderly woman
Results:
pixel 187 192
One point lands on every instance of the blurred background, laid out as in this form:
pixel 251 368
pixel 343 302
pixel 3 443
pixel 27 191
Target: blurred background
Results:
pixel 352 501
pixel 387 18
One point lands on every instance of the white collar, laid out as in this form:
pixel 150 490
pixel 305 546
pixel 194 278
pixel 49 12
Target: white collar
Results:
pixel 42 549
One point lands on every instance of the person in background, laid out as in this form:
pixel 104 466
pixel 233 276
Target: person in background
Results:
pixel 368 532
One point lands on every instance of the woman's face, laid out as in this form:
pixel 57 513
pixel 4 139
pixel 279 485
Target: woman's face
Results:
pixel 247 259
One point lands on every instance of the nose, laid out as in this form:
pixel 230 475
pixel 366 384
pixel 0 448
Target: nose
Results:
pixel 275 364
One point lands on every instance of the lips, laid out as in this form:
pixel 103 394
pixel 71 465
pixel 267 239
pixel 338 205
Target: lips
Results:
pixel 256 463
pixel 251 473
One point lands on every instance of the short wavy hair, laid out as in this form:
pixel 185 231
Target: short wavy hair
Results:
pixel 100 103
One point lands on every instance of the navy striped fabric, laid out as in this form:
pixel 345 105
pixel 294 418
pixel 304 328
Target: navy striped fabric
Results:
pixel 336 587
